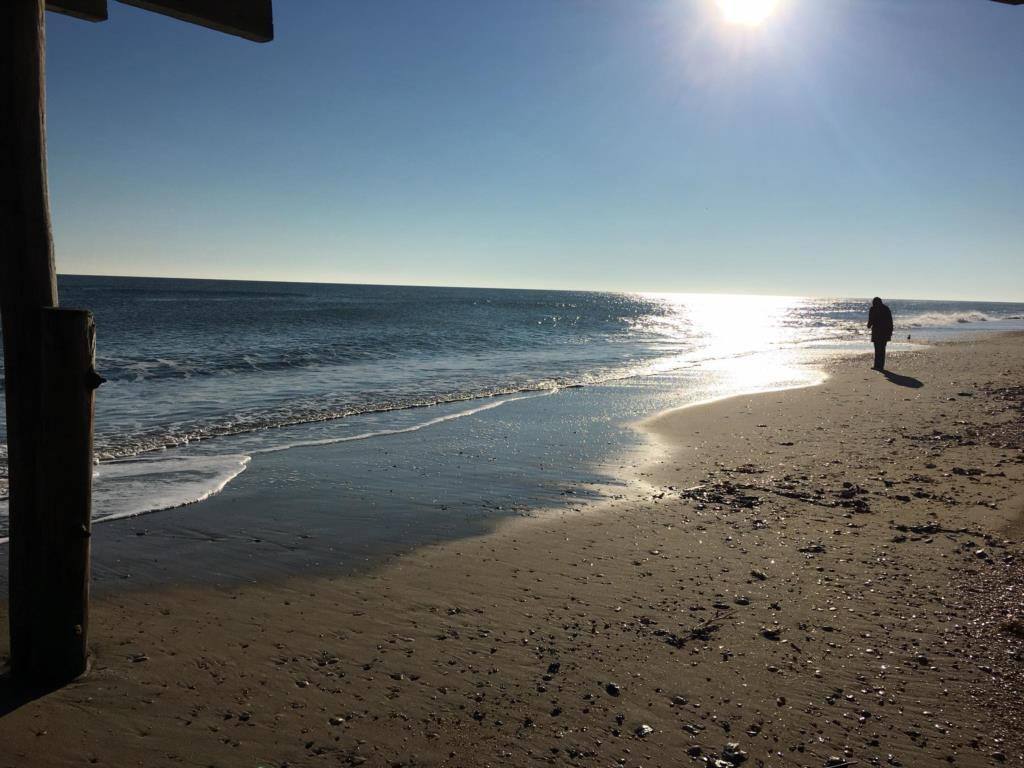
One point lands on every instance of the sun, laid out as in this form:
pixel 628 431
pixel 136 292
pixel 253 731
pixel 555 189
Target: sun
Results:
pixel 750 13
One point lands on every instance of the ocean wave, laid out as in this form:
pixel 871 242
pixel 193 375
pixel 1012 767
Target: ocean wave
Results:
pixel 153 484
pixel 156 482
pixel 944 319
pixel 401 430
pixel 126 444
pixel 312 358
pixel 121 446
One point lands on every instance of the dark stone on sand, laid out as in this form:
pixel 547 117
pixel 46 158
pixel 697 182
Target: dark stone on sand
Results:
pixel 812 549
pixel 732 753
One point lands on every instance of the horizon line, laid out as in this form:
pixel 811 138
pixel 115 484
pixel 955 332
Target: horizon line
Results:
pixel 507 288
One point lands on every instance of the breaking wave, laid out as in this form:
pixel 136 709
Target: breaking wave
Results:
pixel 946 319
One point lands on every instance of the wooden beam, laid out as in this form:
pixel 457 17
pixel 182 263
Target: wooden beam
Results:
pixel 88 10
pixel 60 599
pixel 28 284
pixel 251 19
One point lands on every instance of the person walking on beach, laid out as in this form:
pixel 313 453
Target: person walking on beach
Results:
pixel 880 323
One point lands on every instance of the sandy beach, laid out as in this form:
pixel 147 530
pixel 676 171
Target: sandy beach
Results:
pixel 458 384
pixel 828 576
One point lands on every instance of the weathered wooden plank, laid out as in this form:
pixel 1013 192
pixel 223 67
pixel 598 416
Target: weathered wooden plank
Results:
pixel 27 285
pixel 89 10
pixel 251 19
pixel 60 609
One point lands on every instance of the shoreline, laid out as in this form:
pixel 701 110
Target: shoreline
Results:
pixel 555 638
pixel 237 462
pixel 290 514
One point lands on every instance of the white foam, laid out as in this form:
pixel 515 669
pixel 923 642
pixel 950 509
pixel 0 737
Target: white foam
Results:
pixel 943 319
pixel 153 483
pixel 159 481
pixel 401 430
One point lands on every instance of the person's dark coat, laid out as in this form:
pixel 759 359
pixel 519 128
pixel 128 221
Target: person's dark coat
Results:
pixel 880 322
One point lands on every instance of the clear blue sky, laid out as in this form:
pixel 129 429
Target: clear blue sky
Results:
pixel 844 147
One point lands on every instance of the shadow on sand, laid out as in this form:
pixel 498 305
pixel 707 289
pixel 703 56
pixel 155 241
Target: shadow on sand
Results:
pixel 903 381
pixel 14 696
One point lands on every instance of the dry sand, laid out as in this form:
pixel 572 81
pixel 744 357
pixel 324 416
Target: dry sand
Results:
pixel 839 590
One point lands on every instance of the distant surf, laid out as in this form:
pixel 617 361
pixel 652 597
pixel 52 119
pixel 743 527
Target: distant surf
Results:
pixel 947 319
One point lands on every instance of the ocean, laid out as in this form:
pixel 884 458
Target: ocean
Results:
pixel 204 375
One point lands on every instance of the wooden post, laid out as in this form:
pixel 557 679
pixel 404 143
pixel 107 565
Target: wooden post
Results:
pixel 49 413
pixel 60 610
pixel 27 285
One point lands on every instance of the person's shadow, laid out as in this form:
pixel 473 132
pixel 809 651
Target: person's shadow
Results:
pixel 903 381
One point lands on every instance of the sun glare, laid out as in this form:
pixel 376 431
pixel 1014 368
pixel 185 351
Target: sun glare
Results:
pixel 750 13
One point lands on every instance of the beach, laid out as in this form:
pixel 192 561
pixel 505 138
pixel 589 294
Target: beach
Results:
pixel 466 384
pixel 823 576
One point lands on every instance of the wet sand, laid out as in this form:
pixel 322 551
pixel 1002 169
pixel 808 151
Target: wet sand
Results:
pixel 826 576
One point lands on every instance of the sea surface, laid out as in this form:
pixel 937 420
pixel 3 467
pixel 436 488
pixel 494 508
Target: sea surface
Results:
pixel 203 376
